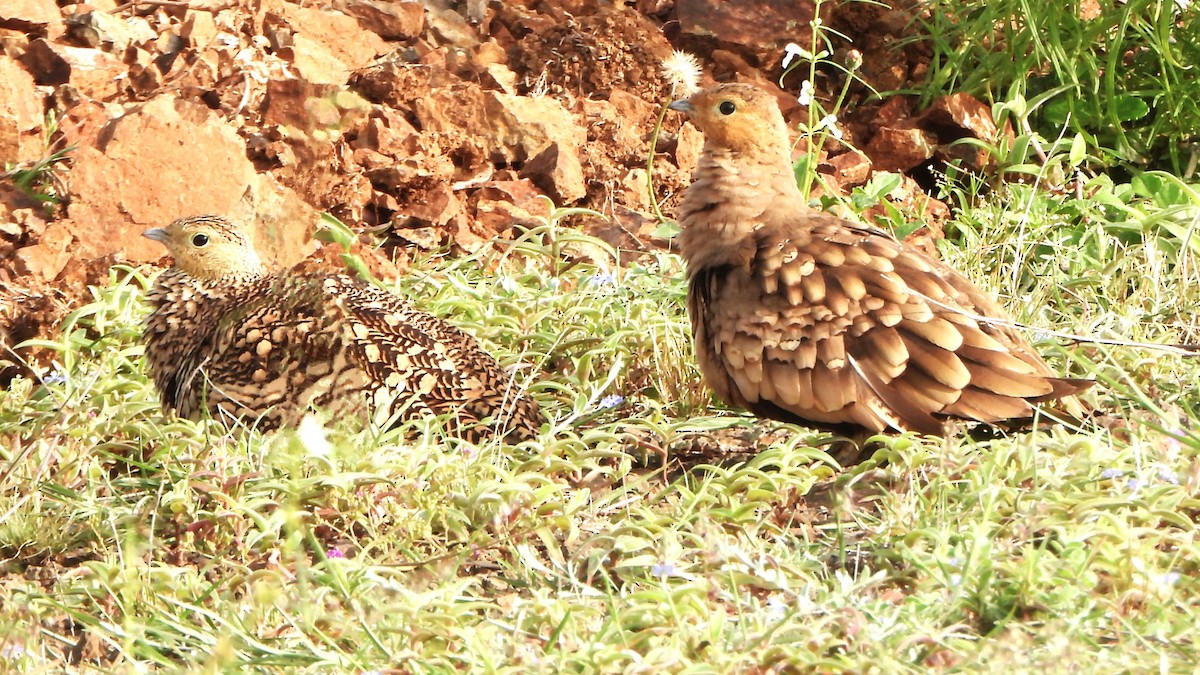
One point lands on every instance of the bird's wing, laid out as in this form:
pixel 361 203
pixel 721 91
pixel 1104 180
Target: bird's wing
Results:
pixel 414 354
pixel 274 353
pixel 839 323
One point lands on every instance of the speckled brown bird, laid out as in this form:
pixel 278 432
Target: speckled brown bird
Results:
pixel 803 317
pixel 230 340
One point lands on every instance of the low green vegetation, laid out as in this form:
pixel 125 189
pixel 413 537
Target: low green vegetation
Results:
pixel 1122 74
pixel 648 528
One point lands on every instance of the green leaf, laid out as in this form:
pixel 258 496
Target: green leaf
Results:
pixel 1128 108
pixel 1164 189
pixel 1078 151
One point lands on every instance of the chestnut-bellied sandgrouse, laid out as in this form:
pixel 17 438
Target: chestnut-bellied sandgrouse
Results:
pixel 804 317
pixel 231 340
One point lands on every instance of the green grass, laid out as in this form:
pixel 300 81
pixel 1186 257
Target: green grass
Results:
pixel 1118 73
pixel 150 542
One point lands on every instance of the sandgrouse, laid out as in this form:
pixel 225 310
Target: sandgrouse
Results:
pixel 803 317
pixel 230 340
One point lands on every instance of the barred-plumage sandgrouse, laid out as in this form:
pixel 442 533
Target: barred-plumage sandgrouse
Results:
pixel 230 340
pixel 804 317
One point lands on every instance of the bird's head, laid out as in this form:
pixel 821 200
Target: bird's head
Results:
pixel 210 248
pixel 739 117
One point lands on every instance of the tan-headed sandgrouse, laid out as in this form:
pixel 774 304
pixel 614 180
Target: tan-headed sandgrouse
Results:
pixel 230 340
pixel 804 317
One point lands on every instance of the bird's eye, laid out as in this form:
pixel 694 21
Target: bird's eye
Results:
pixel 199 240
pixel 727 107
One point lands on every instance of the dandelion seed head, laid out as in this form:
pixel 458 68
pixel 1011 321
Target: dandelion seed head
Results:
pixel 682 71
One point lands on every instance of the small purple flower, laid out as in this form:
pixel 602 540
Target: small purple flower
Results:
pixel 776 607
pixel 663 570
pixel 1133 484
pixel 611 401
pixel 1170 578
pixel 1168 476
pixel 603 279
pixel 334 553
pixel 1109 474
pixel 56 377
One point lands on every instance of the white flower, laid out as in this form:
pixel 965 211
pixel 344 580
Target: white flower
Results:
pixel 806 92
pixel 682 72
pixel 313 436
pixel 830 122
pixel 791 52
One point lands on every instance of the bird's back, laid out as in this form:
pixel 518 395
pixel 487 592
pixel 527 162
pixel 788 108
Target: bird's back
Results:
pixel 274 347
pixel 838 325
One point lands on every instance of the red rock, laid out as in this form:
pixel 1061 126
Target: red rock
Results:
pixel 633 192
pixel 385 132
pixel 296 103
pixel 959 116
pixel 371 160
pixel 557 171
pixel 106 31
pixel 498 76
pixel 199 29
pixel 757 23
pixel 82 123
pixel 893 149
pixel 390 19
pixel 166 159
pixel 47 258
pixel 730 67
pixel 93 73
pixel 497 217
pixel 437 205
pixel 892 112
pixel 520 192
pixel 326 46
pixel 40 17
pixel 21 111
pixel 634 118
pixel 851 169
pixel 526 125
pixel 627 230
pixel 448 27
pixel 688 144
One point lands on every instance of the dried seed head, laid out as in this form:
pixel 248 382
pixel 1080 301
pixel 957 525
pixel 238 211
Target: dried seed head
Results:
pixel 682 72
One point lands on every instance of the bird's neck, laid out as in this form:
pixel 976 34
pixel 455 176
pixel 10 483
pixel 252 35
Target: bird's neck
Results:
pixel 730 195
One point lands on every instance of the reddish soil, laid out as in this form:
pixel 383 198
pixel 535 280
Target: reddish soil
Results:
pixel 437 123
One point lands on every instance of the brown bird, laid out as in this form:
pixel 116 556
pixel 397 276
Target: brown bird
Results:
pixel 803 317
pixel 230 340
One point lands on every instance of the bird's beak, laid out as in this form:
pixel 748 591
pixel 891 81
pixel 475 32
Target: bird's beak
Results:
pixel 682 105
pixel 157 234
